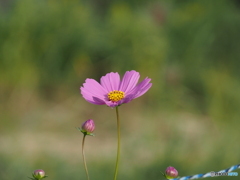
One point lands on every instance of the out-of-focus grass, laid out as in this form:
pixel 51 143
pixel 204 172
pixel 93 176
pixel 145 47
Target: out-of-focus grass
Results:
pixel 189 119
pixel 151 141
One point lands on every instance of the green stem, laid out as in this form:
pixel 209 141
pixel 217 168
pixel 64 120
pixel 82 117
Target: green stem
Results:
pixel 118 148
pixel 83 155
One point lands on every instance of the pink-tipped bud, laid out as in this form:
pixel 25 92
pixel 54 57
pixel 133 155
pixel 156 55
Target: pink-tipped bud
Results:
pixel 171 173
pixel 88 127
pixel 39 174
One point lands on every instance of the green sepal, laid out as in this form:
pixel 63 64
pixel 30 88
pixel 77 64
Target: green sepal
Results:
pixel 34 178
pixel 79 129
pixel 167 177
pixel 90 134
pixel 84 132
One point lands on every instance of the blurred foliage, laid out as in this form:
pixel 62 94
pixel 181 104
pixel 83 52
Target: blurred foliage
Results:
pixel 190 49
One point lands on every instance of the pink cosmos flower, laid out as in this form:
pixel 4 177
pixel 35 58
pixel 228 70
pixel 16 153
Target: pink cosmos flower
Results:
pixel 112 91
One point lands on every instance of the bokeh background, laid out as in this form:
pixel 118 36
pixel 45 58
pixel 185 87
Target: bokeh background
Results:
pixel 189 119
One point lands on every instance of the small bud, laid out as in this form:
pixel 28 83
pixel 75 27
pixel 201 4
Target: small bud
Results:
pixel 171 173
pixel 38 174
pixel 88 127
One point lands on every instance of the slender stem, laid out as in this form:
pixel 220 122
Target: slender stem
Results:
pixel 83 155
pixel 118 148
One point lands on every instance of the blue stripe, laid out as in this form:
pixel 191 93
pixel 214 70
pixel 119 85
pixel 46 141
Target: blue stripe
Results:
pixel 207 174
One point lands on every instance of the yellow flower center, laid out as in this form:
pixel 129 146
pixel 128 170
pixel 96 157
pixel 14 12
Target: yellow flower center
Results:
pixel 115 96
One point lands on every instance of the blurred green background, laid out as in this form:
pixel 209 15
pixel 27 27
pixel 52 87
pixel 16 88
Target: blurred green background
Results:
pixel 189 119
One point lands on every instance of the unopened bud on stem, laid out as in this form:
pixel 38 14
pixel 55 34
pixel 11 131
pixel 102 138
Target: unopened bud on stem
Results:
pixel 171 173
pixel 88 127
pixel 38 174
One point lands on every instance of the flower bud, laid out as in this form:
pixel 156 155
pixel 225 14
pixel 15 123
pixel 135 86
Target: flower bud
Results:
pixel 88 127
pixel 171 173
pixel 39 174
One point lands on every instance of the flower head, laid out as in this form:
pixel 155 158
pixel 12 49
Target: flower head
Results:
pixel 38 174
pixel 88 127
pixel 112 91
pixel 171 173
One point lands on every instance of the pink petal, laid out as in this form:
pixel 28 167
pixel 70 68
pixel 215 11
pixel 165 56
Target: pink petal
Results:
pixel 88 97
pixel 110 81
pixel 93 92
pixel 129 81
pixel 112 104
pixel 141 88
pixel 128 98
pixel 143 91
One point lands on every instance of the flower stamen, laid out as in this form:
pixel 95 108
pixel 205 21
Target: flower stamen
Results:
pixel 116 96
